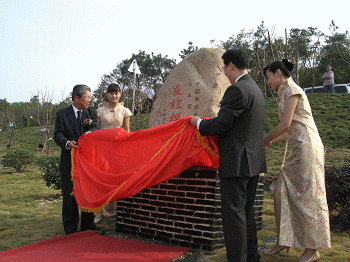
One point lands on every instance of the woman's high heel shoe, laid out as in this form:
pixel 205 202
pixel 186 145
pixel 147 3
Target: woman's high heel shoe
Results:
pixel 315 257
pixel 98 217
pixel 272 252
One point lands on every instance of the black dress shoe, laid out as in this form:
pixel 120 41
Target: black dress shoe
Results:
pixel 90 227
pixel 70 232
pixel 253 258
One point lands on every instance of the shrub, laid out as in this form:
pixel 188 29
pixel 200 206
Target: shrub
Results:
pixel 338 190
pixel 18 158
pixel 50 171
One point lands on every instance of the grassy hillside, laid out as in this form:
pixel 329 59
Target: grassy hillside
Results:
pixel 331 113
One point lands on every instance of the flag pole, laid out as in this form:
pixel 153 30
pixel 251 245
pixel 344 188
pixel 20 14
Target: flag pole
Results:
pixel 133 90
pixel 135 69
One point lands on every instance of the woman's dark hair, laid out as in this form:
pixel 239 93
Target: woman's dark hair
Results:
pixel 277 65
pixel 236 56
pixel 113 88
pixel 288 65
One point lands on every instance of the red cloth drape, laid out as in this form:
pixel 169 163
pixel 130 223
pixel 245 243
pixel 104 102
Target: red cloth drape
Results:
pixel 111 164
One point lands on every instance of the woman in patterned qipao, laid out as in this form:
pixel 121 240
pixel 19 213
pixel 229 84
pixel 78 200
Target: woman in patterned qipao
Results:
pixel 300 203
pixel 113 115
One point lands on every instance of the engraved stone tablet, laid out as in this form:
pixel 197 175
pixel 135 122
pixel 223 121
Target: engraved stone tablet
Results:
pixel 194 87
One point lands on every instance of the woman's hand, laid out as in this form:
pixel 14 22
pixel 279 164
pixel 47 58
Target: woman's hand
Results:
pixel 280 133
pixel 267 143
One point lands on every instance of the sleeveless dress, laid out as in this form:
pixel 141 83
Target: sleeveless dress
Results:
pixel 304 209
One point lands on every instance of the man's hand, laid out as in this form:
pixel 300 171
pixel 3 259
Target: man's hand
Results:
pixel 194 120
pixel 72 144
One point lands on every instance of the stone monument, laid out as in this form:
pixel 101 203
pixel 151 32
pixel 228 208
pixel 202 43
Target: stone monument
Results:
pixel 194 87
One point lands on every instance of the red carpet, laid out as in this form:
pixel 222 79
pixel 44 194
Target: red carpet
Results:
pixel 89 246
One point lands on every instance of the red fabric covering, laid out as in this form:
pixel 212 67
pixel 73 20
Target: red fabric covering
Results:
pixel 111 164
pixel 89 246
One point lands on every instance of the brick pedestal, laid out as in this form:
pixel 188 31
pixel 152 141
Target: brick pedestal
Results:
pixel 183 211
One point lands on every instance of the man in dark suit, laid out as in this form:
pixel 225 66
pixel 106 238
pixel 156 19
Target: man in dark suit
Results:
pixel 68 128
pixel 240 126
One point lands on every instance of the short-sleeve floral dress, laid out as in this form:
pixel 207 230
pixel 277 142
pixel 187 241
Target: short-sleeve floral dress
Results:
pixel 112 117
pixel 304 209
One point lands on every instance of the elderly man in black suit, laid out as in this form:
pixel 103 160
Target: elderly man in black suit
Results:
pixel 68 128
pixel 240 126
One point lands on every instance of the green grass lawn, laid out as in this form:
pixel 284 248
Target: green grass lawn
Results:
pixel 31 212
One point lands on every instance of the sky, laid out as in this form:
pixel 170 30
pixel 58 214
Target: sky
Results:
pixel 50 46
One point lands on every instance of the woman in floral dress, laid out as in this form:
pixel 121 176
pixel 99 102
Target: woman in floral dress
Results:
pixel 113 115
pixel 300 203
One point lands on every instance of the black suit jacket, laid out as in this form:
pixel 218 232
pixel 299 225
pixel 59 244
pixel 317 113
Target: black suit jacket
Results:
pixel 67 129
pixel 240 127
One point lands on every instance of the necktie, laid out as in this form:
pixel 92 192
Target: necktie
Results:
pixel 79 117
pixel 79 121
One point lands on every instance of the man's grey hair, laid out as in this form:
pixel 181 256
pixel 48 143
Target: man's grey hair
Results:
pixel 79 90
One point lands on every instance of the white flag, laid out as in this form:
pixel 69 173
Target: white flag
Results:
pixel 134 67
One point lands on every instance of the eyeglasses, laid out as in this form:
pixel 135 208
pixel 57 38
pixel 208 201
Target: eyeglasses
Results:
pixel 86 97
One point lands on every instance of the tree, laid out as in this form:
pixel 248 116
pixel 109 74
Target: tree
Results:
pixel 28 112
pixel 265 47
pixel 191 49
pixel 154 69
pixel 242 40
pixel 11 120
pixel 18 158
pixel 336 52
pixel 63 104
pixel 4 108
pixel 262 47
pixel 304 47
pixel 50 171
pixel 47 119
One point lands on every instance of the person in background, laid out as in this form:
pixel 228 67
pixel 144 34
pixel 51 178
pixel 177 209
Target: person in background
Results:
pixel 240 127
pixel 328 80
pixel 138 102
pixel 68 128
pixel 300 202
pixel 150 94
pixel 112 115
